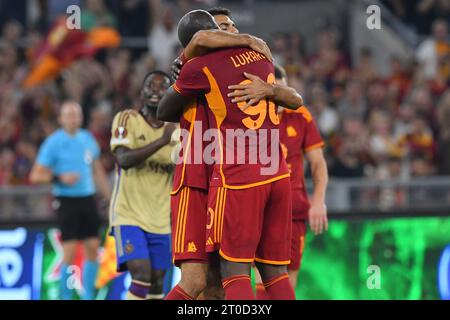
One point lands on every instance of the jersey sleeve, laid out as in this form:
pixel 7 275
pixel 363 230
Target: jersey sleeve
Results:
pixel 122 134
pixel 192 80
pixel 47 156
pixel 312 139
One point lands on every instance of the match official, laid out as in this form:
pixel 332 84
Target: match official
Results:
pixel 69 159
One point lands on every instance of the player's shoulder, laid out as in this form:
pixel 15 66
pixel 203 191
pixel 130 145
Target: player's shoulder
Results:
pixel 123 117
pixel 196 63
pixel 211 56
pixel 301 113
pixel 127 112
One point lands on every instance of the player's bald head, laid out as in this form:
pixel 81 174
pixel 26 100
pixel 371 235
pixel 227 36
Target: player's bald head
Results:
pixel 192 22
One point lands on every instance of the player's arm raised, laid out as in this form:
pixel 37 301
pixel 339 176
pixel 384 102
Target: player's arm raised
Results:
pixel 127 158
pixel 318 211
pixel 206 40
pixel 258 89
pixel 171 107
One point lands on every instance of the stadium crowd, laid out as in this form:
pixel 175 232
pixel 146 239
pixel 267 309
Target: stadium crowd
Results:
pixel 375 126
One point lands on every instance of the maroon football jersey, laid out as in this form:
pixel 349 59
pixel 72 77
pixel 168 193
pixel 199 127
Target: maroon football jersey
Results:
pixel 298 134
pixel 191 169
pixel 248 147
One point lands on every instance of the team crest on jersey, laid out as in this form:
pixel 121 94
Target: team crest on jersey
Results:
pixel 192 247
pixel 291 132
pixel 129 248
pixel 120 133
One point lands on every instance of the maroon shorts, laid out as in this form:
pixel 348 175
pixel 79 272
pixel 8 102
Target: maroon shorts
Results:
pixel 189 207
pixel 252 224
pixel 298 244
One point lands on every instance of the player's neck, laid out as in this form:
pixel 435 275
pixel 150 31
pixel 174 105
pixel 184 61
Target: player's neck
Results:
pixel 154 123
pixel 150 116
pixel 70 132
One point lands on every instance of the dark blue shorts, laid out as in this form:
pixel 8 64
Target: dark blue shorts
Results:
pixel 134 243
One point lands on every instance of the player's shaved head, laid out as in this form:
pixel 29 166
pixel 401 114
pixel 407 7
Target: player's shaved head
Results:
pixel 192 22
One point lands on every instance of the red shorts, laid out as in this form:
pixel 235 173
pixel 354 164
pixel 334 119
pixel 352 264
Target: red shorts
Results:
pixel 189 207
pixel 298 244
pixel 252 224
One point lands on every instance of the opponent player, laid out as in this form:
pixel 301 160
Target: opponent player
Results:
pixel 269 191
pixel 299 136
pixel 140 206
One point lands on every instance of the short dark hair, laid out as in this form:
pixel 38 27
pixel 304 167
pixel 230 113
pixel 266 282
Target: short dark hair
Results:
pixel 192 22
pixel 219 11
pixel 162 73
pixel 280 72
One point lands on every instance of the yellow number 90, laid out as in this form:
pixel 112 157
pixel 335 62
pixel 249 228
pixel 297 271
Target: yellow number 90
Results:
pixel 259 109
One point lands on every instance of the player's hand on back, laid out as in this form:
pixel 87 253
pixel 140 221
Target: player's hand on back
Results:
pixel 175 69
pixel 251 92
pixel 318 220
pixel 169 128
pixel 259 45
pixel 69 178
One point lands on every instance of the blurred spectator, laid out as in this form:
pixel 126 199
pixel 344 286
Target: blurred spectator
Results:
pixel 163 41
pixel 325 116
pixel 420 139
pixel 7 159
pixel 394 167
pixel 429 10
pixel 347 164
pixel 25 155
pixel 422 102
pixel 421 165
pixel 96 14
pixel 353 101
pixel 135 18
pixel 398 79
pixel 351 149
pixel 377 95
pixel 365 70
pixel 433 52
pixel 11 32
pixel 279 46
pixel 383 143
pixel 329 62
